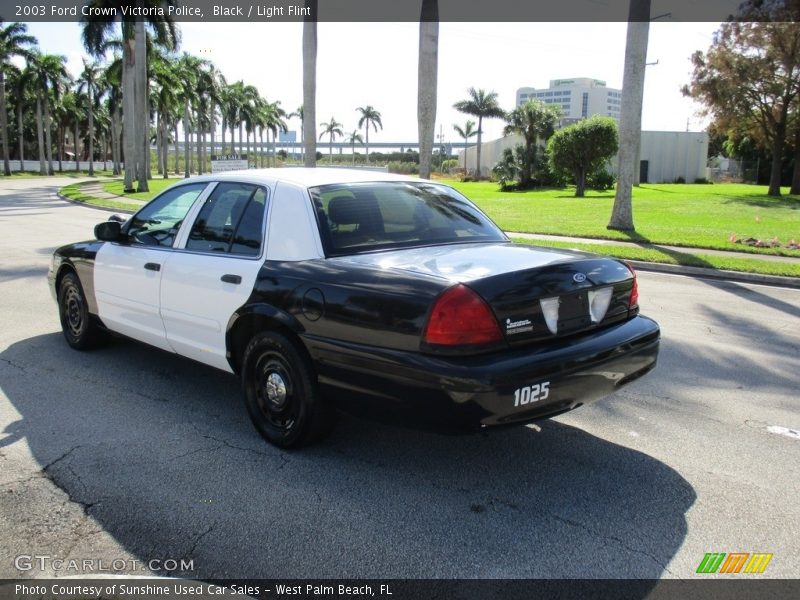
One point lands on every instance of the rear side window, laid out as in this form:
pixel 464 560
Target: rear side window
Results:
pixel 360 217
pixel 230 221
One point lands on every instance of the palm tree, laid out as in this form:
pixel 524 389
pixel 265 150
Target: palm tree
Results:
pixel 112 81
pixel 466 132
pixel 299 113
pixel 352 139
pixel 274 122
pixel 369 116
pixel 332 129
pixel 427 72
pixel 630 116
pixel 13 42
pixel 187 68
pixel 136 122
pixel 21 84
pixel 90 81
pixel 310 85
pixel 51 76
pixel 481 104
pixel 533 120
pixel 168 94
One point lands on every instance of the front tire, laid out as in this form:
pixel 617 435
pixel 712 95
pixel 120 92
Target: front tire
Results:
pixel 79 330
pixel 281 392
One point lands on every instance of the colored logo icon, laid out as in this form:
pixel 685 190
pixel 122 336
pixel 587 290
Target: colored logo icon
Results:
pixel 736 562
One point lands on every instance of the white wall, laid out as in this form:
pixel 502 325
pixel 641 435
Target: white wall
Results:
pixel 67 165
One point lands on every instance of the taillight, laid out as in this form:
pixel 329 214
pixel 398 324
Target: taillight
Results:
pixel 460 317
pixel 634 301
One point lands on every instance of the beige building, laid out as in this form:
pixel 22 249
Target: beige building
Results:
pixel 578 98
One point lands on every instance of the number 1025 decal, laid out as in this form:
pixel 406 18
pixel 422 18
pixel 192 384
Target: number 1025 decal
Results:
pixel 531 393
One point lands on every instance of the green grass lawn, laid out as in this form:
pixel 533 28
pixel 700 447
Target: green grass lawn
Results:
pixel 702 216
pixel 76 193
pixel 694 259
pixel 156 187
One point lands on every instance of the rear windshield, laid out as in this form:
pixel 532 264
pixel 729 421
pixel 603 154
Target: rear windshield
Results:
pixel 359 217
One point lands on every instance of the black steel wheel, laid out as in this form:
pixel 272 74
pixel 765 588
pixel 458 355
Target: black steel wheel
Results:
pixel 79 330
pixel 281 392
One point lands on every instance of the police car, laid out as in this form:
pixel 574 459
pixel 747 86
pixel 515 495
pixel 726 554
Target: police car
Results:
pixel 333 288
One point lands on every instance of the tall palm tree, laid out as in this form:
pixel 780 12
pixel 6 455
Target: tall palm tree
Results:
pixel 96 32
pixel 427 75
pixel 466 132
pixel 51 77
pixel 300 113
pixel 274 121
pixel 187 68
pixel 22 85
pixel 481 104
pixel 13 42
pixel 112 82
pixel 333 129
pixel 369 116
pixel 90 81
pixel 533 120
pixel 169 93
pixel 630 114
pixel 353 139
pixel 310 85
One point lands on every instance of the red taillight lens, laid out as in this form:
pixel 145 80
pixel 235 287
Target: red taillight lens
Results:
pixel 634 301
pixel 460 317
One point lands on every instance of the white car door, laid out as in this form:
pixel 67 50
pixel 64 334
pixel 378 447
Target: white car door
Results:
pixel 213 271
pixel 127 274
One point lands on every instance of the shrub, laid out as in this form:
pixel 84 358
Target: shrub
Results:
pixel 450 163
pixel 680 180
pixel 403 167
pixel 703 180
pixel 600 180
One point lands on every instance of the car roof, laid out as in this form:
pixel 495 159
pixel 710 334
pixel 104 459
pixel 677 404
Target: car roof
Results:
pixel 304 177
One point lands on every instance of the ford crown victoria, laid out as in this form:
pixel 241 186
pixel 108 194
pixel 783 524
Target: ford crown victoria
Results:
pixel 331 288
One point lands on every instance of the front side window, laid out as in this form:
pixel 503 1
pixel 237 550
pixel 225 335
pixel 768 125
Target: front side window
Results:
pixel 231 221
pixel 360 217
pixel 158 223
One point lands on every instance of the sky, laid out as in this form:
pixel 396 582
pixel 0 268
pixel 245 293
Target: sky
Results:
pixel 376 64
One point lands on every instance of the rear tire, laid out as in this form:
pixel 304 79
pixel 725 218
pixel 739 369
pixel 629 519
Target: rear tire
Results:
pixel 80 331
pixel 281 392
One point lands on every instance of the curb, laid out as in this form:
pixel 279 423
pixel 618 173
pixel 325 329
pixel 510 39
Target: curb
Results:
pixel 94 206
pixel 720 274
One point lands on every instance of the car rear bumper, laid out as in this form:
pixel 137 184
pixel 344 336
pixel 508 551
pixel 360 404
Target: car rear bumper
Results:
pixel 486 389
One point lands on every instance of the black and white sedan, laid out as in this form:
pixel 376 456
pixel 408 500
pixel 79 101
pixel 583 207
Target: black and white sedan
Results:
pixel 326 288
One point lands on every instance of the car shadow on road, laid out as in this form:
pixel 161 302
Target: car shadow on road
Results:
pixel 159 452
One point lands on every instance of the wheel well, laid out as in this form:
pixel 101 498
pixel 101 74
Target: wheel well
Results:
pixel 66 268
pixel 246 327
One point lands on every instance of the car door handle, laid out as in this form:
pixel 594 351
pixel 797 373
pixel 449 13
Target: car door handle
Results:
pixel 152 266
pixel 228 278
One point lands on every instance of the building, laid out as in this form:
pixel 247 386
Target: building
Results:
pixel 664 155
pixel 578 98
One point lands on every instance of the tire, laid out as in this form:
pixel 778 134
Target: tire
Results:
pixel 79 330
pixel 281 392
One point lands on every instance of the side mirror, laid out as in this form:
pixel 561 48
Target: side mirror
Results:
pixel 108 232
pixel 116 218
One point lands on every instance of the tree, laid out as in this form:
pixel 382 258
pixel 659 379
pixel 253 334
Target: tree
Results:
pixel 630 116
pixel 427 75
pixel 583 147
pixel 300 114
pixel 353 139
pixel 750 78
pixel 481 104
pixel 13 42
pixel 310 85
pixel 89 81
pixel 466 132
pixel 333 129
pixel 51 78
pixel 369 116
pixel 533 120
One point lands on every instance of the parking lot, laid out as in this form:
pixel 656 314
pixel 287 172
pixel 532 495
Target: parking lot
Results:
pixel 128 453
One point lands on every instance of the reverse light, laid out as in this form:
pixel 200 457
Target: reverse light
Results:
pixel 550 312
pixel 461 317
pixel 598 303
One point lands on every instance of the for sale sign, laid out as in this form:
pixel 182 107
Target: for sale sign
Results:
pixel 228 162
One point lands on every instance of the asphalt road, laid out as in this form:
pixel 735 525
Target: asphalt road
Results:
pixel 129 453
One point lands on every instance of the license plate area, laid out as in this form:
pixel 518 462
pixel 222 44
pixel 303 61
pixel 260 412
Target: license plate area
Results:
pixel 573 313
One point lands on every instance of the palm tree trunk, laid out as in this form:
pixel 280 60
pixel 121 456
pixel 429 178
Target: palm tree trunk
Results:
pixel 129 112
pixel 75 148
pixel 310 86
pixel 177 156
pixel 426 83
pixel 4 124
pixel 795 189
pixel 48 136
pixel 224 126
pixel 187 146
pixel 241 139
pixel 142 138
pixel 40 135
pixel 199 142
pixel 630 121
pixel 60 134
pixel 91 132
pixel 21 137
pixel 117 140
pixel 367 146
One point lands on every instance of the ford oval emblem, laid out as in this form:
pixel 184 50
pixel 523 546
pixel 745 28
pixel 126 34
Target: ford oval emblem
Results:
pixel 579 278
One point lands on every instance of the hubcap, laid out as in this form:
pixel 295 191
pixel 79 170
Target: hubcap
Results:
pixel 73 311
pixel 276 389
